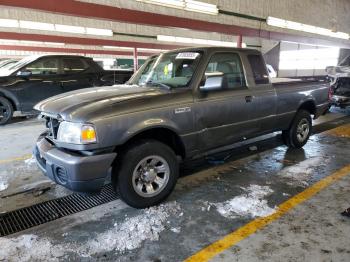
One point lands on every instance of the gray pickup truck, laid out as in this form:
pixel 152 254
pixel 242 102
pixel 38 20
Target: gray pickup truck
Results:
pixel 178 105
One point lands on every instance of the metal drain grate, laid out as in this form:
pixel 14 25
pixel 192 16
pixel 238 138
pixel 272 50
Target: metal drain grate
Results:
pixel 24 218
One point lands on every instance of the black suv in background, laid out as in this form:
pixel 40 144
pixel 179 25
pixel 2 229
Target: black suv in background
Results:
pixel 36 78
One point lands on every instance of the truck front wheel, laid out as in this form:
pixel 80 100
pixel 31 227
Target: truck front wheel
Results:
pixel 146 174
pixel 299 132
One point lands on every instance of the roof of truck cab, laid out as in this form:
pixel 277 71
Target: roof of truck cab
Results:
pixel 211 49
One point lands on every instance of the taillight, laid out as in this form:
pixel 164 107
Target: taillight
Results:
pixel 330 93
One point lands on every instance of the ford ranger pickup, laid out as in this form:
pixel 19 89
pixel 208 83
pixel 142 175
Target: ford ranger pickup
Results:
pixel 180 104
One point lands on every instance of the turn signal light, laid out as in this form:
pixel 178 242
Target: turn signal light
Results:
pixel 88 134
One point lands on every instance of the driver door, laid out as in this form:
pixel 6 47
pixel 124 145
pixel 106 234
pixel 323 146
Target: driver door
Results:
pixel 224 111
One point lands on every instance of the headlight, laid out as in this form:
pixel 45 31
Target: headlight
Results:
pixel 76 133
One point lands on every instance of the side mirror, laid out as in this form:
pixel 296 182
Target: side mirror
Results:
pixel 24 73
pixel 214 81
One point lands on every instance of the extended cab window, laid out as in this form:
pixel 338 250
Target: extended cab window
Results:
pixel 229 66
pixel 44 66
pixel 74 65
pixel 259 69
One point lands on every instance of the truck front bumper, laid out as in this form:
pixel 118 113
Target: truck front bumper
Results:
pixel 80 173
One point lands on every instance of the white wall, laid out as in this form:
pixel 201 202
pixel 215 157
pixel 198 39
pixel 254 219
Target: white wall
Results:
pixel 298 60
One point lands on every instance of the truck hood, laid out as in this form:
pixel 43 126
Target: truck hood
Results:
pixel 80 105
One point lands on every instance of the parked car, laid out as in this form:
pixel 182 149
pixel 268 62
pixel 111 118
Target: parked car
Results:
pixel 179 105
pixel 35 78
pixel 339 93
pixel 7 62
pixel 342 69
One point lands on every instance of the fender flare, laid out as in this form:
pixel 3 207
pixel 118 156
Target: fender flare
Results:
pixel 146 125
pixel 308 100
pixel 12 97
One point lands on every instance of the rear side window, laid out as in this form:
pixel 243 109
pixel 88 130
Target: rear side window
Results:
pixel 259 69
pixel 74 65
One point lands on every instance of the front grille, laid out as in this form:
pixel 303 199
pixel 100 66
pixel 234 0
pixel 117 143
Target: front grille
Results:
pixel 52 125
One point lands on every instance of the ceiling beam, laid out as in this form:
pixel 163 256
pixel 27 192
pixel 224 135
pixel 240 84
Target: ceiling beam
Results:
pixel 70 50
pixel 82 40
pixel 92 10
pixel 98 11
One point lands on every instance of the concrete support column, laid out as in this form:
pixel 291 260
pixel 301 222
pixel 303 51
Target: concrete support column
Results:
pixel 239 41
pixel 136 64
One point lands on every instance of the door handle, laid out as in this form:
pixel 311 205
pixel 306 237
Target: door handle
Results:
pixel 249 99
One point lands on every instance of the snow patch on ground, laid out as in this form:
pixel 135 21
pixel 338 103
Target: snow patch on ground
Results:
pixel 251 204
pixel 28 248
pixel 130 233
pixel 125 235
pixel 30 161
pixel 3 185
pixel 301 173
pixel 176 230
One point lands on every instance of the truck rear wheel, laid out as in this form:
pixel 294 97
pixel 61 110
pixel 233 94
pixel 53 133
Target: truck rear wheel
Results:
pixel 146 174
pixel 6 110
pixel 299 132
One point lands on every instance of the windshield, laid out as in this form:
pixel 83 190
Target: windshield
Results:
pixel 8 64
pixel 170 70
pixel 345 61
pixel 21 63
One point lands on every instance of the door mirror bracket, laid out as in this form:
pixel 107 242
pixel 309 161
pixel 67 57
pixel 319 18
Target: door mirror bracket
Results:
pixel 24 73
pixel 212 82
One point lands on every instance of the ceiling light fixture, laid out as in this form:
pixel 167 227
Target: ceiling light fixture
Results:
pixel 54 43
pixel 151 50
pixel 12 23
pixel 188 5
pixel 118 47
pixel 278 22
pixel 31 42
pixel 36 25
pixel 70 29
pixel 197 6
pixel 28 42
pixel 97 31
pixel 9 23
pixel 168 3
pixel 8 41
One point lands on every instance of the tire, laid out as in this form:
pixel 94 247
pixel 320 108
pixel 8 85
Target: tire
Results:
pixel 6 110
pixel 137 180
pixel 299 132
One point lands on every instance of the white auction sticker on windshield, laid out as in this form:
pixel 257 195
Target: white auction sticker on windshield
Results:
pixel 187 55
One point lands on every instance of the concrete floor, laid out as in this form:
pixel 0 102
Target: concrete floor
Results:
pixel 209 202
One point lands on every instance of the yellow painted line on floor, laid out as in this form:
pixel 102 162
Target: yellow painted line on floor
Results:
pixel 253 226
pixel 14 159
pixel 341 131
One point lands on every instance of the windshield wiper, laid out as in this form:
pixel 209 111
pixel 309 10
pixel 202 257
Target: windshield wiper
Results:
pixel 158 84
